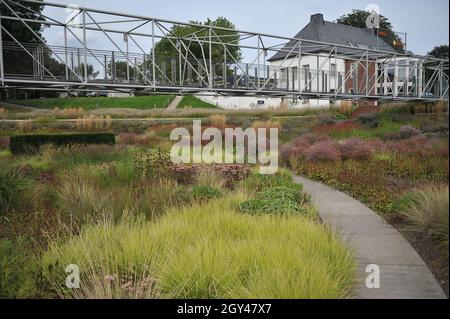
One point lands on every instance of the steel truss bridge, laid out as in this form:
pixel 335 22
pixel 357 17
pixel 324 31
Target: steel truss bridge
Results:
pixel 206 60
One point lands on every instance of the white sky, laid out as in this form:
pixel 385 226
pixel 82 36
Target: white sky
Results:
pixel 426 22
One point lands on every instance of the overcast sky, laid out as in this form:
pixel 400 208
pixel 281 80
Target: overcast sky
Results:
pixel 426 22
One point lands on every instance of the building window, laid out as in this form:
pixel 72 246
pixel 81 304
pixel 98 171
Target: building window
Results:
pixel 306 76
pixel 333 70
pixel 283 74
pixel 294 73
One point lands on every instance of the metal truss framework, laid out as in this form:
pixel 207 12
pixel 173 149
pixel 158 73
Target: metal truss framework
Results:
pixel 372 74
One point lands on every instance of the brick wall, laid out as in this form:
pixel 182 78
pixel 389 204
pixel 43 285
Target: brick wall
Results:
pixel 358 83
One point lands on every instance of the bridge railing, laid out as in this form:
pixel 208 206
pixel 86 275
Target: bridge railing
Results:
pixel 98 49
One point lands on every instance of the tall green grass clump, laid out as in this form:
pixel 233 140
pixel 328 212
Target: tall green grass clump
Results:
pixel 427 211
pixel 11 185
pixel 205 251
pixel 82 199
pixel 17 271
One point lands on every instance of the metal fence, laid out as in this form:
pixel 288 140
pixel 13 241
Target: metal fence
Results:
pixel 130 60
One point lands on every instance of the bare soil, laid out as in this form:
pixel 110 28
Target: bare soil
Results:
pixel 432 251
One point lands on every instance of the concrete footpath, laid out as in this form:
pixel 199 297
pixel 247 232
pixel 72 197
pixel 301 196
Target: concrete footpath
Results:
pixel 403 273
pixel 174 104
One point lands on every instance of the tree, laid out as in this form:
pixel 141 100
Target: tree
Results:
pixel 440 52
pixel 21 33
pixel 358 18
pixel 196 39
pixel 90 71
pixel 13 52
pixel 120 70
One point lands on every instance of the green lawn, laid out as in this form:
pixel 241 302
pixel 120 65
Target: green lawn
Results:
pixel 92 103
pixel 384 128
pixel 191 101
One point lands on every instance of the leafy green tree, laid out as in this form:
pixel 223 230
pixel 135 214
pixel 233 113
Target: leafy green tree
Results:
pixel 440 52
pixel 120 70
pixel 196 39
pixel 358 18
pixel 166 47
pixel 16 60
pixel 22 34
pixel 92 74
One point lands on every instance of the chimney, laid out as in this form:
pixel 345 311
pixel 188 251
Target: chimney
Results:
pixel 317 18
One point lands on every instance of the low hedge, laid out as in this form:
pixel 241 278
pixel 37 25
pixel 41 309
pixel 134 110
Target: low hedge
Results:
pixel 32 143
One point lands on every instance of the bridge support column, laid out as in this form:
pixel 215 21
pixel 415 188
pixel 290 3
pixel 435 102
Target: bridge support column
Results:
pixel 189 75
pixel 395 82
pixel 420 79
pixel 105 60
pixel 406 80
pixel 66 54
pixel 2 68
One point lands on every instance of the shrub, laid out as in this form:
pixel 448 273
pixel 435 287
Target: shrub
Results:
pixel 231 173
pixel 270 206
pixel 418 145
pixel 25 125
pixel 10 187
pixel 441 106
pixel 323 152
pixel 18 271
pixel 218 121
pixel 399 108
pixel 344 110
pixel 92 122
pixel 205 251
pixel 284 193
pixel 289 153
pixel 267 125
pixel 145 140
pixel 346 107
pixel 127 138
pixel 369 120
pixel 211 178
pixel 285 199
pixel 427 211
pixel 256 182
pixel 154 164
pixel 205 192
pixel 413 108
pixel 409 131
pixel 80 200
pixel 343 127
pixel 392 136
pixel 310 139
pixel 83 200
pixel 32 143
pixel 355 148
pixel 4 142
pixel 69 112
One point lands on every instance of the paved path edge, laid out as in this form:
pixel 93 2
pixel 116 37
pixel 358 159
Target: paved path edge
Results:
pixel 403 273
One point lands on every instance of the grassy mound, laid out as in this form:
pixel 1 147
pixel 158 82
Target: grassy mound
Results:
pixel 92 103
pixel 190 101
pixel 206 251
